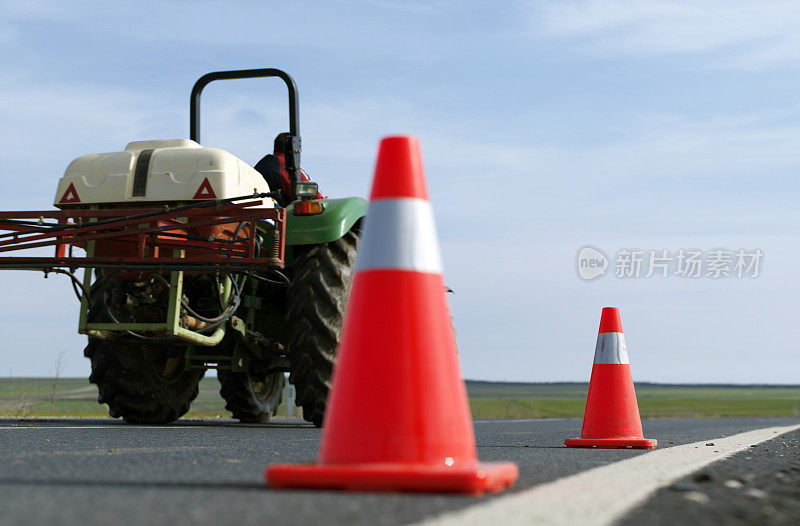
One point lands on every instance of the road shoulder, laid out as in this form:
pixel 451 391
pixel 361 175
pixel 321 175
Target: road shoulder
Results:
pixel 760 485
pixel 603 495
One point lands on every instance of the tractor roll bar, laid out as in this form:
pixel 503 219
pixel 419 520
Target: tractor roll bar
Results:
pixel 292 152
pixel 205 80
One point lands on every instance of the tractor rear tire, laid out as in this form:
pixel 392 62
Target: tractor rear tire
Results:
pixel 315 311
pixel 251 401
pixel 142 383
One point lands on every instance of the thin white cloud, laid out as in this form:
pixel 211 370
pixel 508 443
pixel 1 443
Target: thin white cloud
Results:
pixel 47 125
pixel 29 8
pixel 734 33
pixel 9 34
pixel 404 6
pixel 356 28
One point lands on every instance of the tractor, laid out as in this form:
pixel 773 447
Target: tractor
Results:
pixel 194 260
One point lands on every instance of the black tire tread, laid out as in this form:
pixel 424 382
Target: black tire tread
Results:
pixel 242 402
pixel 128 384
pixel 316 306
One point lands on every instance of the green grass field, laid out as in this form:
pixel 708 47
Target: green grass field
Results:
pixel 31 397
pixel 510 400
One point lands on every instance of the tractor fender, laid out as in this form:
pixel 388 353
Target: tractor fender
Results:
pixel 335 221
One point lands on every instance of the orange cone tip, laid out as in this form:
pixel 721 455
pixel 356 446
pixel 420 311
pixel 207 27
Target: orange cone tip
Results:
pixel 397 417
pixel 611 419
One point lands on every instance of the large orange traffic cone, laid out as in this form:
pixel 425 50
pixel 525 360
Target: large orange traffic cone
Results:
pixel 611 419
pixel 397 417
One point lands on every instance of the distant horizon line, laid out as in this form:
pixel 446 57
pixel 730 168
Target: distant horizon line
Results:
pixel 517 382
pixel 665 384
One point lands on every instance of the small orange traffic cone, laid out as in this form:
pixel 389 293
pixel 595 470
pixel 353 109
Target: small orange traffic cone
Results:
pixel 397 417
pixel 611 419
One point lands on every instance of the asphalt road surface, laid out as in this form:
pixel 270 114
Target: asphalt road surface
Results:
pixel 101 471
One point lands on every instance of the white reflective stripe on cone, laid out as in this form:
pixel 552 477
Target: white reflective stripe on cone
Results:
pixel 611 348
pixel 400 234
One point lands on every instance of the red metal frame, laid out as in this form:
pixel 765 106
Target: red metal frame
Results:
pixel 148 234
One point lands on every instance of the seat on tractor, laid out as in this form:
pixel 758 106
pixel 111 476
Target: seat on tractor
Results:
pixel 272 168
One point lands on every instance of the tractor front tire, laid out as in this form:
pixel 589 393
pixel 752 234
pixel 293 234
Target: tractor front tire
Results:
pixel 142 384
pixel 251 400
pixel 315 311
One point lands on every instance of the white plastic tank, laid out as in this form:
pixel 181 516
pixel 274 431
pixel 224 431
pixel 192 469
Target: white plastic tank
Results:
pixel 160 171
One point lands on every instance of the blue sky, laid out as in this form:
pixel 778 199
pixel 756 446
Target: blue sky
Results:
pixel 545 127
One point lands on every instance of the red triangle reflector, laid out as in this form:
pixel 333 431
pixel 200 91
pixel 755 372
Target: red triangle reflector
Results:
pixel 205 191
pixel 71 195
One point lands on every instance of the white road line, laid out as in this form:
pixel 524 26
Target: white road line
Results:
pixel 15 428
pixel 604 494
